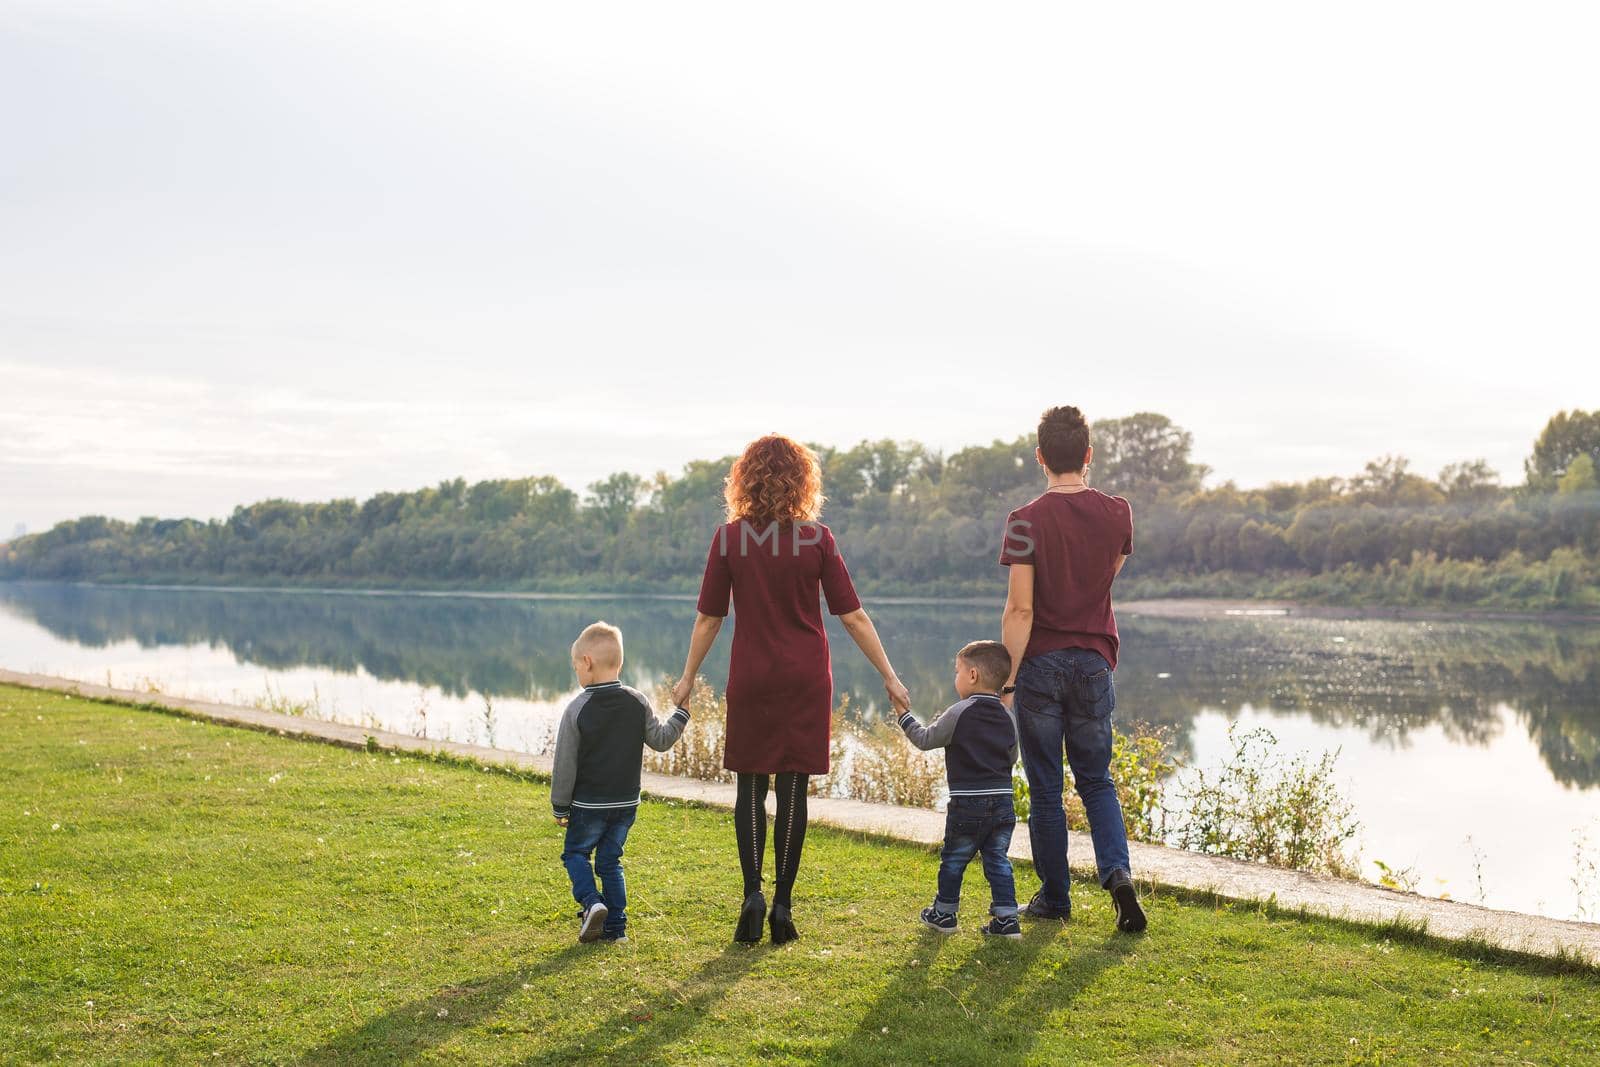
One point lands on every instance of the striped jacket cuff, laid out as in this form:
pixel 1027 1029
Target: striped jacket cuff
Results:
pixel 680 711
pixel 561 813
pixel 606 805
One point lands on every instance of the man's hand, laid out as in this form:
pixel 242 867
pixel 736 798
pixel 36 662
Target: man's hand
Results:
pixel 683 691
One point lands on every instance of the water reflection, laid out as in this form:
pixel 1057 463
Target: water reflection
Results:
pixel 1388 678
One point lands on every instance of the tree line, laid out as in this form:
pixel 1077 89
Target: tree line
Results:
pixel 912 520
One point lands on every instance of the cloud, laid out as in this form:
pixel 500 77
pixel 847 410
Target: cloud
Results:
pixel 123 443
pixel 328 249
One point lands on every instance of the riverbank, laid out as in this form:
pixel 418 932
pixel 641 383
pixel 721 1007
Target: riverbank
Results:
pixel 1195 607
pixel 174 889
pixel 1172 868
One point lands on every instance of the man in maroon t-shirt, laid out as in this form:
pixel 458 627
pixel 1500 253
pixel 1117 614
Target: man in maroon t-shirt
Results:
pixel 1064 549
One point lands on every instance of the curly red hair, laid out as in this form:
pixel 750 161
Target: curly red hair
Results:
pixel 778 479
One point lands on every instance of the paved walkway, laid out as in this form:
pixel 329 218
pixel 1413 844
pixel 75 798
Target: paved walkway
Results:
pixel 1163 866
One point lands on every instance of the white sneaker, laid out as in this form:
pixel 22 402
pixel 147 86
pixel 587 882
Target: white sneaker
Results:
pixel 594 921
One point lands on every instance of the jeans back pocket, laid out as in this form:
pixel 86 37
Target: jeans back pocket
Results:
pixel 1095 688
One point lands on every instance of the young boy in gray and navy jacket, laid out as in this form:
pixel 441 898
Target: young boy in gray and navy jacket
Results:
pixel 594 787
pixel 979 736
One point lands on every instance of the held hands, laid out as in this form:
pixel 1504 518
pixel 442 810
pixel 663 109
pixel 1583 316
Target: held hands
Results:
pixel 899 695
pixel 682 691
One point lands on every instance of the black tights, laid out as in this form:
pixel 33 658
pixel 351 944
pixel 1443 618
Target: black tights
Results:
pixel 789 836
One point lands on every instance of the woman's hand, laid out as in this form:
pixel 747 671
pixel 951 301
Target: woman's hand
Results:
pixel 899 695
pixel 683 691
pixel 701 638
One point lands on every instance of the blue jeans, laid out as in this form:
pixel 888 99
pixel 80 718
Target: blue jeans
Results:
pixel 1064 701
pixel 600 832
pixel 974 826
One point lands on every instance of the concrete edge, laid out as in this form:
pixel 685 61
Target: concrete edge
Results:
pixel 1189 873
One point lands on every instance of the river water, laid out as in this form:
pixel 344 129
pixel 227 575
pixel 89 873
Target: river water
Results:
pixel 1470 750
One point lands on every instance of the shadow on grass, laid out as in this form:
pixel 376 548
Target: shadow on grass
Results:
pixel 1399 929
pixel 991 1010
pixel 1046 993
pixel 413 1028
pixel 664 1019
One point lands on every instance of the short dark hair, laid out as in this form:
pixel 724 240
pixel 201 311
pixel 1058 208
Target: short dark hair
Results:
pixel 1063 439
pixel 990 658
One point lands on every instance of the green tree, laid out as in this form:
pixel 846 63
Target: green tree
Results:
pixel 614 498
pixel 1145 450
pixel 1388 480
pixel 883 468
pixel 1469 481
pixel 1579 477
pixel 1564 438
pixel 698 491
pixel 994 475
pixel 846 473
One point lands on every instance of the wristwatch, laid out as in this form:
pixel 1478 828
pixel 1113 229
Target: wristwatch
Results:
pixel 1007 690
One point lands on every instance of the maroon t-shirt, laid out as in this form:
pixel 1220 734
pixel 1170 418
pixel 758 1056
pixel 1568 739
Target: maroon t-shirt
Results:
pixel 780 680
pixel 1073 541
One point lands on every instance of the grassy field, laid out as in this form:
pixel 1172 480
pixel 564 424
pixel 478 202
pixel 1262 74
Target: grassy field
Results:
pixel 174 890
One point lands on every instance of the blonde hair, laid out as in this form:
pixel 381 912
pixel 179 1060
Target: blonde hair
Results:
pixel 778 479
pixel 601 642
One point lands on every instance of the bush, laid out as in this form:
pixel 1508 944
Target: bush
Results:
pixel 1140 768
pixel 1261 807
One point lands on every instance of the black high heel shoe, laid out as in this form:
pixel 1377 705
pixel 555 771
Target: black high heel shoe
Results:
pixel 750 918
pixel 783 930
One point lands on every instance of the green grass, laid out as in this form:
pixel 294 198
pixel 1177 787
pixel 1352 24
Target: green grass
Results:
pixel 221 895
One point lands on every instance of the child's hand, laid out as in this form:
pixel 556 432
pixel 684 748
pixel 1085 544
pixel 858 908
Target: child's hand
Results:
pixel 899 695
pixel 560 821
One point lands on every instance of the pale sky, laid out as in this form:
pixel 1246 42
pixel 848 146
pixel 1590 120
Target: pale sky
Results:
pixel 316 250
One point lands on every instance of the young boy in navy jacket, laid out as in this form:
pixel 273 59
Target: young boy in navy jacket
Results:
pixel 979 736
pixel 594 786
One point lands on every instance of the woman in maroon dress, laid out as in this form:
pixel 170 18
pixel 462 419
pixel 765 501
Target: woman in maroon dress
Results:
pixel 776 561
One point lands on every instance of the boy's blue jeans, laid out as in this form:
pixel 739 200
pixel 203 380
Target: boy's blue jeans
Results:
pixel 1064 700
pixel 600 832
pixel 978 826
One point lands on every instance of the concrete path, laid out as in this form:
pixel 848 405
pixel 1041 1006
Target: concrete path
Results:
pixel 1334 897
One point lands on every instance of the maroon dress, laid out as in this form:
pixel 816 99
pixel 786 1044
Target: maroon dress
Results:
pixel 780 681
